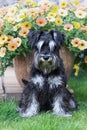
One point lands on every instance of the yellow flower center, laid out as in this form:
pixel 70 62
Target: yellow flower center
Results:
pixel 32 11
pixel 76 42
pixel 27 25
pixel 82 44
pixel 12 11
pixel 62 12
pixel 9 39
pixel 3 38
pixel 63 4
pixel 58 21
pixel 41 22
pixel 80 14
pixel 24 32
pixel 68 27
pixel 3 51
pixel 13 46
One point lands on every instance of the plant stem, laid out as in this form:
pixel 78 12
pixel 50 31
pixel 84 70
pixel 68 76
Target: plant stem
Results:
pixel 3 87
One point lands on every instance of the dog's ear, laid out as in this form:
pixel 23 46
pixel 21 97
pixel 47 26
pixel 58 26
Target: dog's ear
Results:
pixel 25 82
pixel 58 37
pixel 33 37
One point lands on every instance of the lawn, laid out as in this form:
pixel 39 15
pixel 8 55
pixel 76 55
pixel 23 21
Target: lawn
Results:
pixel 10 120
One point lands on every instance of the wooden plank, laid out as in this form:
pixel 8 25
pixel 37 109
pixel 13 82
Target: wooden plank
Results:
pixel 1 91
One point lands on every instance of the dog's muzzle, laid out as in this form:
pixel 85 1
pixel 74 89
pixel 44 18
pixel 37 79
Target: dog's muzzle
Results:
pixel 46 60
pixel 45 63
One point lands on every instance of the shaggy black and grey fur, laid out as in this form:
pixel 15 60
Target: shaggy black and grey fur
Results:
pixel 47 87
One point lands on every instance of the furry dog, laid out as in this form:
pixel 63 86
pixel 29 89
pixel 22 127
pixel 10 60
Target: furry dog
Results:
pixel 46 89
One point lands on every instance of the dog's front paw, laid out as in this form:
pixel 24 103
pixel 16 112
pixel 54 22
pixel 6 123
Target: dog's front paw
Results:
pixel 60 114
pixel 24 114
pixel 27 114
pixel 66 114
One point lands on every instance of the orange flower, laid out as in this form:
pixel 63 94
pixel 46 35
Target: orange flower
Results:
pixel 9 39
pixel 85 59
pixel 3 39
pixel 28 2
pixel 82 45
pixel 59 21
pixel 83 28
pixel 46 3
pixel 62 12
pixel 80 14
pixel 2 52
pixel 23 32
pixel 26 25
pixel 44 9
pixel 3 10
pixel 12 46
pixel 81 7
pixel 68 27
pixel 63 3
pixel 41 21
pixel 1 45
pixel 16 27
pixel 75 42
pixel 33 12
pixel 17 41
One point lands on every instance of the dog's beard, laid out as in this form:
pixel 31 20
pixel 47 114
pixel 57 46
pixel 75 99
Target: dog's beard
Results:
pixel 47 66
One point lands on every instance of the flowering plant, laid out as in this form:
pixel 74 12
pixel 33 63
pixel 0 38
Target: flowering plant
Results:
pixel 17 20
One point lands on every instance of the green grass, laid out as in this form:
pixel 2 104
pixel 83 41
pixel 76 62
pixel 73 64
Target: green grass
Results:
pixel 10 120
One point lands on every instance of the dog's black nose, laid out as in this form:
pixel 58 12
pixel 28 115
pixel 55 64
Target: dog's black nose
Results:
pixel 46 57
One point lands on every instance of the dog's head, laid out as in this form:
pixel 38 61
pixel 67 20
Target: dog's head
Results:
pixel 46 46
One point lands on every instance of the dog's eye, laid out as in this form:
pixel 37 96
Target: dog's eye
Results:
pixel 54 48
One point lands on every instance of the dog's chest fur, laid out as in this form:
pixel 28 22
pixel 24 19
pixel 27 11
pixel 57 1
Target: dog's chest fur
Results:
pixel 50 81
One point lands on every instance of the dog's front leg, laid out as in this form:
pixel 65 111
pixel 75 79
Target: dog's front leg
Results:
pixel 29 106
pixel 62 101
pixel 32 108
pixel 58 109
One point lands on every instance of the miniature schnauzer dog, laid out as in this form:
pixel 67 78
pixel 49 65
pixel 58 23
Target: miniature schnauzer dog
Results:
pixel 46 89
